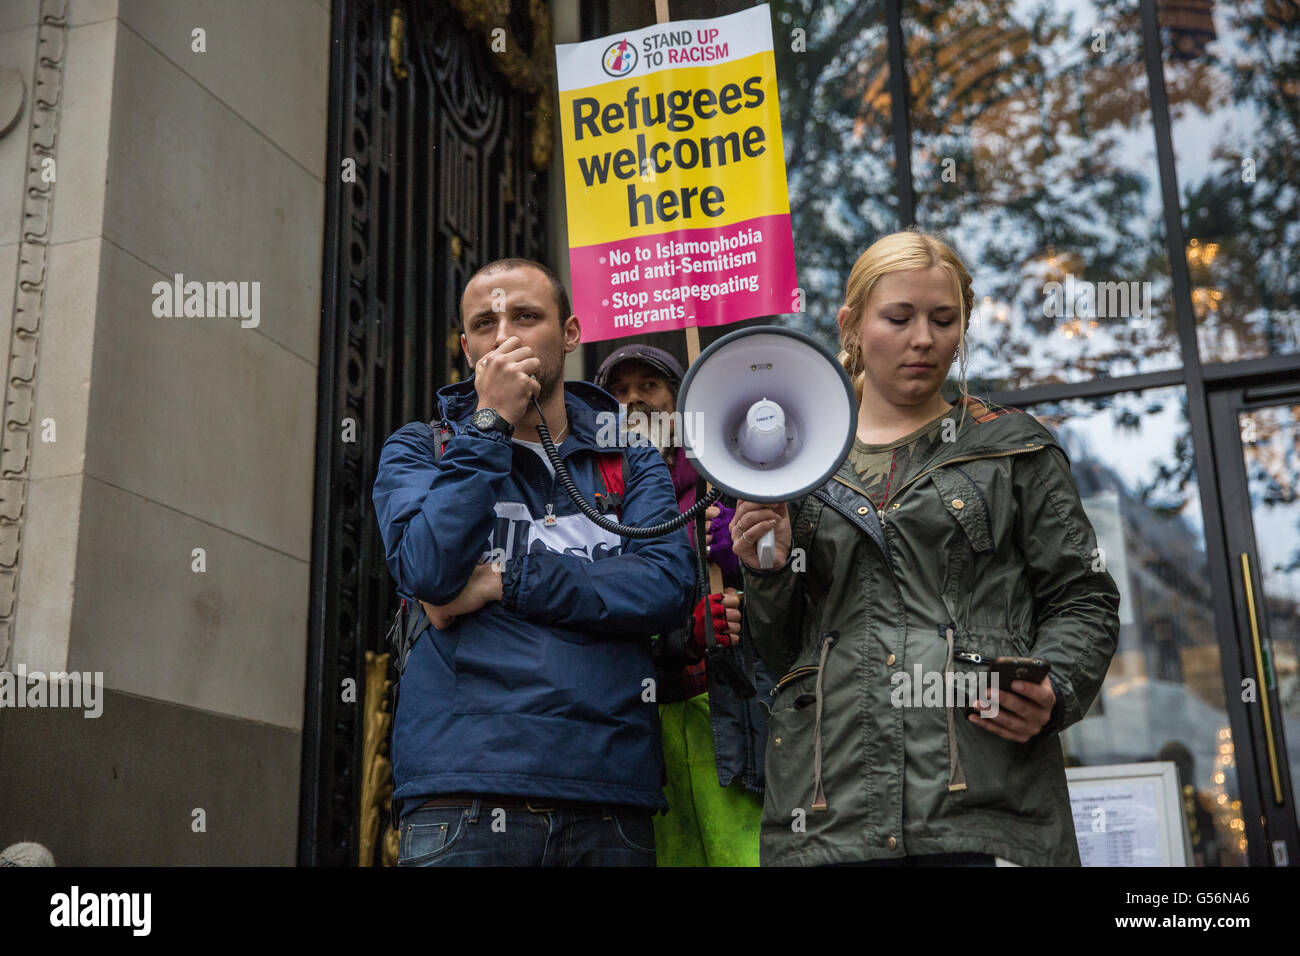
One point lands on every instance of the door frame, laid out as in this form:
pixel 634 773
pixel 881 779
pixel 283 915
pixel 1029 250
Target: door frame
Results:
pixel 1268 822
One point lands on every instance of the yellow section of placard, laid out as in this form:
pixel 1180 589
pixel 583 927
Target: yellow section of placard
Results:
pixel 682 148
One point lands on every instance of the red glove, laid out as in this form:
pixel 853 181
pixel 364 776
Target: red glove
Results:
pixel 719 613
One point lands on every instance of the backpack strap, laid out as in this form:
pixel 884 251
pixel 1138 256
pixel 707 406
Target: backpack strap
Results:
pixel 401 638
pixel 408 624
pixel 441 429
pixel 615 475
pixel 403 633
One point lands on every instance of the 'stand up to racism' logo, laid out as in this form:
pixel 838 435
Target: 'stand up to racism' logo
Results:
pixel 619 58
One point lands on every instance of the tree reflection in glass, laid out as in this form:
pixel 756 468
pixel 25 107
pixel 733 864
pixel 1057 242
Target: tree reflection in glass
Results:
pixel 1233 75
pixel 1033 151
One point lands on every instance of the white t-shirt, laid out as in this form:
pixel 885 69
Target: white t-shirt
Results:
pixel 517 529
pixel 541 452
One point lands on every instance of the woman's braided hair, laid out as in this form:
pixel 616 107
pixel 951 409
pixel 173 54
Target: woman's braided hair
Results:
pixel 900 252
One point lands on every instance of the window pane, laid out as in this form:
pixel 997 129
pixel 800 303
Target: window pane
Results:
pixel 833 69
pixel 1233 75
pixel 1163 698
pixel 1033 153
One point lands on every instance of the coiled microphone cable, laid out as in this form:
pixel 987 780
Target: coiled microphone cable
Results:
pixel 604 521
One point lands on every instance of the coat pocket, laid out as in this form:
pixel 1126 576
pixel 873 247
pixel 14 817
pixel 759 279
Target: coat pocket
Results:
pixel 807 755
pixel 788 763
pixel 498 676
pixel 965 502
pixel 1000 774
pixel 989 641
pixel 798 676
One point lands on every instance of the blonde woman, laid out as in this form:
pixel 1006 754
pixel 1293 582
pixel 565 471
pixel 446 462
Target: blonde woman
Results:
pixel 950 530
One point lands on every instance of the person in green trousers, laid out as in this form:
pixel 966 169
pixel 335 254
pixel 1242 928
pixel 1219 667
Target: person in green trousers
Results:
pixel 713 738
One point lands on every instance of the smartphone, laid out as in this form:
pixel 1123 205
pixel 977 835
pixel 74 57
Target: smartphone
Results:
pixel 1029 669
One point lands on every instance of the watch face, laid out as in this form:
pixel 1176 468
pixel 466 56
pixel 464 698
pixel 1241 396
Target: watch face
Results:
pixel 484 419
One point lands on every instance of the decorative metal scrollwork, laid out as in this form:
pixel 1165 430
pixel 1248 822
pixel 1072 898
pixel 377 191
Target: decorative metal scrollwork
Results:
pixel 434 127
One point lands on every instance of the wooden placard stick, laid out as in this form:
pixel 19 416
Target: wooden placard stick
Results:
pixel 692 339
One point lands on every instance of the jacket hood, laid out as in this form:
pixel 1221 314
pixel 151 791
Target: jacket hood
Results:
pixel 988 429
pixel 984 430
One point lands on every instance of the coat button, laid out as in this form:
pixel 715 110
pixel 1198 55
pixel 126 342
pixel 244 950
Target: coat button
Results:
pixel 863 510
pixel 777 741
pixel 958 504
pixel 893 843
pixel 889 661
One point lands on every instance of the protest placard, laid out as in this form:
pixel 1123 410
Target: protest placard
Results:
pixel 674 177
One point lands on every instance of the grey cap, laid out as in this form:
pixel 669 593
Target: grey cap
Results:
pixel 657 359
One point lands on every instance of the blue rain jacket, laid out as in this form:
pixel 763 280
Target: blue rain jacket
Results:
pixel 543 693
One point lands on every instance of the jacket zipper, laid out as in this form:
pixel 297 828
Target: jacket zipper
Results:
pixel 951 461
pixel 793 676
pixel 956 774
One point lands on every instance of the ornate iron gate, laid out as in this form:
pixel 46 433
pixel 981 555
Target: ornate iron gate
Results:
pixel 439 137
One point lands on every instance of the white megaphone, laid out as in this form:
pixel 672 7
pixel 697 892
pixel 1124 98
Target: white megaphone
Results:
pixel 768 415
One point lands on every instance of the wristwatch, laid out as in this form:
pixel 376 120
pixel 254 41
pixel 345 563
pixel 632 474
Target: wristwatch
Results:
pixel 487 419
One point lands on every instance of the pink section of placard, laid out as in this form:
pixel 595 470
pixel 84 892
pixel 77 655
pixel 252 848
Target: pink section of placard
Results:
pixel 708 276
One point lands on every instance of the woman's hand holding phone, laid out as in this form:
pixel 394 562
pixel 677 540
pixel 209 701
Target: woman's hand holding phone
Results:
pixel 1023 710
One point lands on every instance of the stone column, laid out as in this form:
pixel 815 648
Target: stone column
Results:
pixel 155 526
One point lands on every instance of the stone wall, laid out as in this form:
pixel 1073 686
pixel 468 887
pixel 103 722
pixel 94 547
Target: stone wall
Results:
pixel 170 433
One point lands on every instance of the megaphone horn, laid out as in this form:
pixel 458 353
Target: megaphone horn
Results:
pixel 768 415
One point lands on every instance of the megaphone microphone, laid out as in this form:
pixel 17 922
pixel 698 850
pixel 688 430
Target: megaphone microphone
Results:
pixel 768 414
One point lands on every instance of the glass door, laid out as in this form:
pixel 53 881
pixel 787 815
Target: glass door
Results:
pixel 1256 435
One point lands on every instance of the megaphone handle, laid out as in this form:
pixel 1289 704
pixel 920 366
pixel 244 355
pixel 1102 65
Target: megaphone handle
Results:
pixel 767 550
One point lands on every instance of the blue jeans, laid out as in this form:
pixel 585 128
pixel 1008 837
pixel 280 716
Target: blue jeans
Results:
pixel 479 834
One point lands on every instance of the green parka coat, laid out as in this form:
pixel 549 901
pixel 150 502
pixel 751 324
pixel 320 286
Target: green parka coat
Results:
pixel 987 549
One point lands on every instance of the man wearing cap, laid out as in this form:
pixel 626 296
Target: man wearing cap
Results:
pixel 714 793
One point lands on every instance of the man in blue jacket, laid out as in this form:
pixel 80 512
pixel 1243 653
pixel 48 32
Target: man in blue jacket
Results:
pixel 525 732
